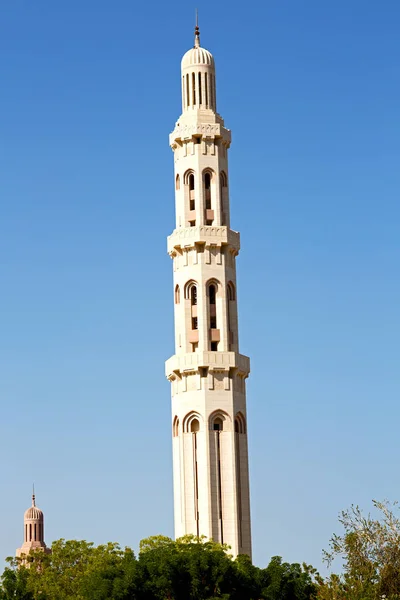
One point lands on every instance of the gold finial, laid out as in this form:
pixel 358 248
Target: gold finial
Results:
pixel 197 31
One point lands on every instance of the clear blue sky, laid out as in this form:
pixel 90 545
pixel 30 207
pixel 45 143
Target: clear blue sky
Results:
pixel 89 93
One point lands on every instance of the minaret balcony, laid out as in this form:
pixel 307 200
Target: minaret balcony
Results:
pixel 193 361
pixel 189 126
pixel 216 235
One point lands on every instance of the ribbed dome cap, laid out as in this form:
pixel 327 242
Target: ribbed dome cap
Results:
pixel 197 55
pixel 33 512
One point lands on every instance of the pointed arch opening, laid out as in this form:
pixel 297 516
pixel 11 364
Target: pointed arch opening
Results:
pixel 212 296
pixel 177 294
pixel 212 293
pixel 213 288
pixel 191 423
pixel 195 426
pixel 231 292
pixel 208 177
pixel 190 291
pixel 207 189
pixel 240 423
pixel 190 196
pixel 219 420
pixel 232 315
pixel 193 325
pixel 223 180
pixel 218 424
pixel 175 427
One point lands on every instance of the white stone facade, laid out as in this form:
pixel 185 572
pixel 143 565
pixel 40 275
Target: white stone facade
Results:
pixel 207 373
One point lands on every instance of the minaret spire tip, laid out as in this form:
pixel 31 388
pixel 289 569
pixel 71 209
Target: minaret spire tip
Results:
pixel 197 31
pixel 33 495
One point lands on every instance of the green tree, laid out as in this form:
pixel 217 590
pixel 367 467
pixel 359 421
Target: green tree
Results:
pixel 287 581
pixel 14 582
pixel 77 570
pixel 190 568
pixel 370 551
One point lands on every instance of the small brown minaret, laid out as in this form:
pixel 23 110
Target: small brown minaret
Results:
pixel 33 530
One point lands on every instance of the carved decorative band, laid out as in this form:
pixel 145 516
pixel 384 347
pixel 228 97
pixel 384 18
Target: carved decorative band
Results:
pixel 192 361
pixel 206 234
pixel 208 130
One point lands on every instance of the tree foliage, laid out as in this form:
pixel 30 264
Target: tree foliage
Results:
pixel 199 569
pixel 189 568
pixel 370 551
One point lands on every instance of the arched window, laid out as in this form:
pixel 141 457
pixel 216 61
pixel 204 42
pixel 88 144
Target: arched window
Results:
pixel 240 423
pixel 175 427
pixel 195 426
pixel 231 292
pixel 189 294
pixel 189 183
pixel 177 294
pixel 220 421
pixel 35 533
pixel 192 202
pixel 40 532
pixel 177 182
pixel 223 181
pixel 193 295
pixel 30 532
pixel 218 424
pixel 212 292
pixel 191 423
pixel 207 190
pixel 231 314
pixel 212 295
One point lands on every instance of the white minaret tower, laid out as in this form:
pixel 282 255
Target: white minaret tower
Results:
pixel 207 372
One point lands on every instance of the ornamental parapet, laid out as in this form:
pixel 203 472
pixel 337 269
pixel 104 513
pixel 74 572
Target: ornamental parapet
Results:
pixel 187 237
pixel 214 361
pixel 186 131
